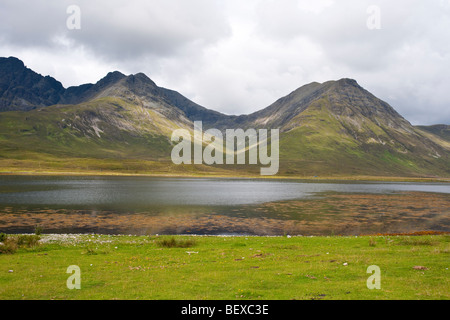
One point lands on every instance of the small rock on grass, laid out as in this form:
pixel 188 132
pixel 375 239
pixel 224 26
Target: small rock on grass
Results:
pixel 420 268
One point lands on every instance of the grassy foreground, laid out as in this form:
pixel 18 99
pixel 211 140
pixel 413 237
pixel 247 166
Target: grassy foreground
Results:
pixel 227 268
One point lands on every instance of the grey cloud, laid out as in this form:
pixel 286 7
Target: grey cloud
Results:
pixel 135 28
pixel 116 29
pixel 31 23
pixel 341 29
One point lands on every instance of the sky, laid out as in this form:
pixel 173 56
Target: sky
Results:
pixel 238 57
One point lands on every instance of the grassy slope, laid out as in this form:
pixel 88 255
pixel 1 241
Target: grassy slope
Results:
pixel 128 267
pixel 49 132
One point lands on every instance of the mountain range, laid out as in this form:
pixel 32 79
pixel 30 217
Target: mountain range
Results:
pixel 123 124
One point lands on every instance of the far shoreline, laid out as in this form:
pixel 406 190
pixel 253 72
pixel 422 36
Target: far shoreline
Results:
pixel 221 176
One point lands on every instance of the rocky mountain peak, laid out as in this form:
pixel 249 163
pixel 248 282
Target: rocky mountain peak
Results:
pixel 348 82
pixel 112 77
pixel 23 89
pixel 11 62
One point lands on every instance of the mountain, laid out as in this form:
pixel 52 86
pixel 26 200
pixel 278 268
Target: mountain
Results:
pixel 338 127
pixel 124 124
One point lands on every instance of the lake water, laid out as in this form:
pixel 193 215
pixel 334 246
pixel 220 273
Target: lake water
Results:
pixel 183 197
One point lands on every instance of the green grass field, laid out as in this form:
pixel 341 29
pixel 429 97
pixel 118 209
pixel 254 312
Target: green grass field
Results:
pixel 227 268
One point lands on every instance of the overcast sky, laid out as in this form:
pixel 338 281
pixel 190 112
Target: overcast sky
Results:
pixel 240 56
